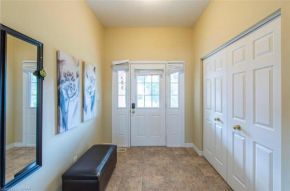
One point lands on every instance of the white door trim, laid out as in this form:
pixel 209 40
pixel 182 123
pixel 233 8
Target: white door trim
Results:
pixel 114 101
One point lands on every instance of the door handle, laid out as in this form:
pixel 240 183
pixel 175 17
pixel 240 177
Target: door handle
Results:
pixel 133 111
pixel 237 127
pixel 217 119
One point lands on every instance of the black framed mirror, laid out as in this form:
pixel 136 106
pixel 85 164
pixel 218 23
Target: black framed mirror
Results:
pixel 21 79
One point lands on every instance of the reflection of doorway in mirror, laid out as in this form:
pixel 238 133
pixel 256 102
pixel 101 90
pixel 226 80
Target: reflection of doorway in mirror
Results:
pixel 21 102
pixel 29 103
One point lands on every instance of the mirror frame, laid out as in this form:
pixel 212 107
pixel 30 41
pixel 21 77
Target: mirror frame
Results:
pixel 4 31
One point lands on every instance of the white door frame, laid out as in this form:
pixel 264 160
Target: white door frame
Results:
pixel 114 101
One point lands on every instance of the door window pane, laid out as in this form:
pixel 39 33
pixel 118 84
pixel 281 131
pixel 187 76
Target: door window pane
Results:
pixel 122 101
pixel 140 101
pixel 147 88
pixel 155 79
pixel 174 90
pixel 155 89
pixel 148 91
pixel 140 89
pixel 148 79
pixel 174 101
pixel 148 101
pixel 155 101
pixel 122 89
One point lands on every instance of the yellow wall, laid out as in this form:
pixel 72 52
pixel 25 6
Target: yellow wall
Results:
pixel 23 52
pixel 10 92
pixel 147 44
pixel 72 27
pixel 222 21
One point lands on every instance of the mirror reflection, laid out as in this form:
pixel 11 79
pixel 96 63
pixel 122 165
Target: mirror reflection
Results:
pixel 21 104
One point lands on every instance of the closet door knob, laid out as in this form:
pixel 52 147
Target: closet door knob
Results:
pixel 237 127
pixel 217 119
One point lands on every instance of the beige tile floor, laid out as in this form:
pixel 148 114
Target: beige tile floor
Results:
pixel 18 158
pixel 164 169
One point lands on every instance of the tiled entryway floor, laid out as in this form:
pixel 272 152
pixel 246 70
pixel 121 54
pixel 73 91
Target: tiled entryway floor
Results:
pixel 164 169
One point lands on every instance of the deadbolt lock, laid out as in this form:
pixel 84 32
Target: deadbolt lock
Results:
pixel 133 111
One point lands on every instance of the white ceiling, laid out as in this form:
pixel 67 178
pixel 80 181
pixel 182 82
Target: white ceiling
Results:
pixel 148 13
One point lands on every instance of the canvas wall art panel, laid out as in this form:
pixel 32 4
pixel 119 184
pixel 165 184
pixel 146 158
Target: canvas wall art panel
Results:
pixel 69 114
pixel 89 104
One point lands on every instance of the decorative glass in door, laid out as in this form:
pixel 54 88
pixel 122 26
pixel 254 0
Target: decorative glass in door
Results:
pixel 122 97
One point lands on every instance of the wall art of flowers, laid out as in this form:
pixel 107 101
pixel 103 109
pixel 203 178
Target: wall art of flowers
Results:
pixel 89 105
pixel 68 87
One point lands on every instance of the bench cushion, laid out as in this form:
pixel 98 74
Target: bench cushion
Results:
pixel 92 164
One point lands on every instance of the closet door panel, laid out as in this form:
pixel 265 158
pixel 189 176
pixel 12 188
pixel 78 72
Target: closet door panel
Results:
pixel 265 101
pixel 238 108
pixel 254 95
pixel 208 122
pixel 215 111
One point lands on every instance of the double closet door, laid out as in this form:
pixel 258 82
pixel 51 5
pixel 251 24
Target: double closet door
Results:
pixel 253 108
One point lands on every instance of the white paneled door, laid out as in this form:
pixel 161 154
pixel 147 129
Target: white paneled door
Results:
pixel 239 164
pixel 254 94
pixel 215 111
pixel 148 105
pixel 29 108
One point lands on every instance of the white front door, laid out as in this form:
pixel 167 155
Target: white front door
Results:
pixel 215 112
pixel 148 105
pixel 254 91
pixel 30 104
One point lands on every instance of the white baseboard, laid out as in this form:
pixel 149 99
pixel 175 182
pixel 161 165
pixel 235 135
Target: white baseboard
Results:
pixel 31 145
pixel 199 152
pixel 191 145
pixel 120 146
pixel 18 144
pixel 188 145
pixel 10 146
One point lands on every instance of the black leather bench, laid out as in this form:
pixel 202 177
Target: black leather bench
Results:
pixel 92 171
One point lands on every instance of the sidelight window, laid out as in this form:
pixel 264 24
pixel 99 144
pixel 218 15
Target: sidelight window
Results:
pixel 32 90
pixel 174 90
pixel 122 89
